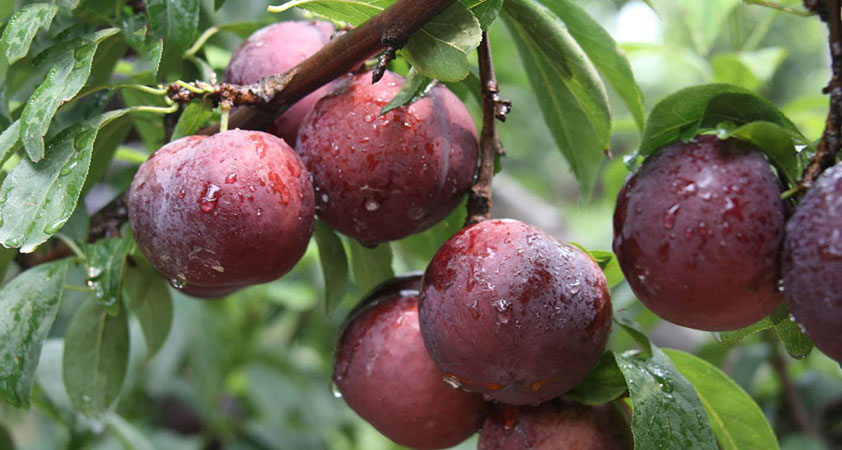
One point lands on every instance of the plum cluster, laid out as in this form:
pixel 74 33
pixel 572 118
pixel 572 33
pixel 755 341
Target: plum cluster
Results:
pixel 503 315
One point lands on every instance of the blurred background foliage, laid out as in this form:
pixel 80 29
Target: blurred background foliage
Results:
pixel 253 371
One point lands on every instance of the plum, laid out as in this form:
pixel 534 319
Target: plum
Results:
pixel 274 50
pixel 508 311
pixel 698 231
pixel 812 263
pixel 384 373
pixel 214 214
pixel 382 178
pixel 559 424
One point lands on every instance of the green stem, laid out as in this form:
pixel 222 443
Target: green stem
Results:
pixel 223 120
pixel 190 87
pixel 779 7
pixel 155 109
pixel 200 42
pixel 72 246
pixel 75 288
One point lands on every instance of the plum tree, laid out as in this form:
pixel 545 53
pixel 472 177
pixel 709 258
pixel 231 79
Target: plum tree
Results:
pixel 559 424
pixel 385 374
pixel 383 177
pixel 510 312
pixel 273 50
pixel 698 231
pixel 217 213
pixel 813 260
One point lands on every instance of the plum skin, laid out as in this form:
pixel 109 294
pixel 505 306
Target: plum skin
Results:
pixel 698 231
pixel 273 50
pixel 214 214
pixel 385 374
pixel 812 263
pixel 559 424
pixel 382 178
pixel 510 312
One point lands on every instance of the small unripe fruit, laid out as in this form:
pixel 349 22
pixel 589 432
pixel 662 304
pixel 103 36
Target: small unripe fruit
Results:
pixel 214 214
pixel 812 263
pixel 273 50
pixel 385 374
pixel 556 425
pixel 381 178
pixel 698 231
pixel 510 312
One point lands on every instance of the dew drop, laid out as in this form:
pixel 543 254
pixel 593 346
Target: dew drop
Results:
pixel 368 118
pixel 372 205
pixel 210 194
pixel 231 178
pixel 452 380
pixel 177 283
pixel 504 312
pixel 334 388
pixel 670 215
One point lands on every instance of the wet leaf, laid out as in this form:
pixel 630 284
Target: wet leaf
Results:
pixel 28 307
pixel 106 259
pixel 334 265
pixel 22 27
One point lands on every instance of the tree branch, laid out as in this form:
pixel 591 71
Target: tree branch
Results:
pixel 493 108
pixel 272 95
pixel 829 11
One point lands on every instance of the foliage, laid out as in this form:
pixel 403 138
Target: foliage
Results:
pixel 98 351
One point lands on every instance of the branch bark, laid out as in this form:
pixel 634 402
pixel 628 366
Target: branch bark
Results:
pixel 493 108
pixel 829 11
pixel 389 30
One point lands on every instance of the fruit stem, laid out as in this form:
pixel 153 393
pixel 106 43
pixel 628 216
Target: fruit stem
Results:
pixel 831 142
pixel 493 107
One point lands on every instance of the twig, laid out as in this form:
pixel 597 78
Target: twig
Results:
pixel 385 58
pixel 793 399
pixel 493 108
pixel 274 94
pixel 831 141
pixel 779 7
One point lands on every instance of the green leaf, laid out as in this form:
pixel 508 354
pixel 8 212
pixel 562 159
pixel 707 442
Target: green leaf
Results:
pixel 704 20
pixel 571 95
pixel 65 79
pixel 610 266
pixel 636 332
pixel 777 143
pixel 106 258
pixel 602 384
pixel 334 265
pixel 732 337
pixel 603 52
pixel 177 21
pixel 414 88
pixel 36 199
pixel 736 419
pixel 438 50
pixel 796 343
pixel 668 413
pixel 371 266
pixel 9 141
pixel 195 114
pixel 484 10
pixel 22 27
pixel 218 4
pixel 684 113
pixel 148 295
pixel 96 354
pixel 130 437
pixel 28 307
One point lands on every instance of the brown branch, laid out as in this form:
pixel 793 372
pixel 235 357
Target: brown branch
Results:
pixel 825 156
pixel 388 30
pixel 493 108
pixel 799 412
